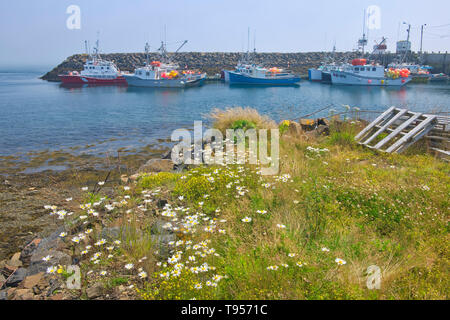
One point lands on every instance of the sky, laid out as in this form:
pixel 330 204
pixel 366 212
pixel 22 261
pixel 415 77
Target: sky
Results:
pixel 34 33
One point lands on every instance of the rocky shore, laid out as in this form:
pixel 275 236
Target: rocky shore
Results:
pixel 209 62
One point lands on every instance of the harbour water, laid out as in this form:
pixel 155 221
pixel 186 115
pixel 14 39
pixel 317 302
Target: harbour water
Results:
pixel 36 115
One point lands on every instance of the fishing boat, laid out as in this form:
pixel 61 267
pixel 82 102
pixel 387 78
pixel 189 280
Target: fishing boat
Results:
pixel 96 72
pixel 439 77
pixel 361 73
pixel 253 74
pixel 165 74
pixel 419 73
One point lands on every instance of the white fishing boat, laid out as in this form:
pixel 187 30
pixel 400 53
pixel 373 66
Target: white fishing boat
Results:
pixel 164 74
pixel 360 73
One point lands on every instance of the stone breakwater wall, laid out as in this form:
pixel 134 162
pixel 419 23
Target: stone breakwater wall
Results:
pixel 209 62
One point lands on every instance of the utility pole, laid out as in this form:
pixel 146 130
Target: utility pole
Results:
pixel 421 37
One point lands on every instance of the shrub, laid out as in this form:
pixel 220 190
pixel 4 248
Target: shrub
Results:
pixel 226 119
pixel 156 180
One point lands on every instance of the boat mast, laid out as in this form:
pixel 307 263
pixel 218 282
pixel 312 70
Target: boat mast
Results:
pixel 363 41
pixel 147 49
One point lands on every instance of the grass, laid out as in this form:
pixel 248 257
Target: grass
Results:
pixel 334 198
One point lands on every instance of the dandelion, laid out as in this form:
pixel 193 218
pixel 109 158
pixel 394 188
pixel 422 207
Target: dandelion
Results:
pixel 222 231
pixel 117 242
pixel 129 266
pixel 324 249
pixel 261 211
pixel 300 264
pixel 296 202
pixel 246 219
pixel 126 188
pixel 426 188
pixel 103 273
pixel 274 268
pixel 46 258
pixel 291 255
pixel 100 183
pixel 69 199
pixel 164 275
pixel 142 274
pixel 340 262
pixel 281 226
pixel 285 265
pixel 180 198
pixel 84 188
pixel 63 234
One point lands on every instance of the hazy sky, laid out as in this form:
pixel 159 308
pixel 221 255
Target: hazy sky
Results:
pixel 34 33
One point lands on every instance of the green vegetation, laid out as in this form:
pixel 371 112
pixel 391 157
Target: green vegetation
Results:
pixel 311 232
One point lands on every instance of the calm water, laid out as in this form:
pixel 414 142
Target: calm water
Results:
pixel 36 115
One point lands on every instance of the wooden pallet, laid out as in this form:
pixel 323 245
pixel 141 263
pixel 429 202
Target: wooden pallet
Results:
pixel 396 129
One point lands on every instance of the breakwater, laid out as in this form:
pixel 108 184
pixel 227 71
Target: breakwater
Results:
pixel 209 62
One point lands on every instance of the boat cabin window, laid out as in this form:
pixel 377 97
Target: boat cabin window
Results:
pixel 374 69
pixel 356 69
pixel 147 73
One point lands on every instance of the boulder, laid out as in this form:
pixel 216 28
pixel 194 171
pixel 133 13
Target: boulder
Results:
pixel 294 128
pixel 157 165
pixel 16 278
pixel 23 294
pixel 56 258
pixel 95 291
pixel 15 260
pixel 307 124
pixel 31 281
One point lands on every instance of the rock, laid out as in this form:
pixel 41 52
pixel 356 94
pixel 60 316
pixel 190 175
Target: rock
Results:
pixel 57 258
pixel 31 281
pixel 157 228
pixel 3 295
pixel 135 176
pixel 157 165
pixel 323 130
pixel 52 241
pixel 95 291
pixel 54 284
pixel 17 277
pixel 161 203
pixel 294 128
pixel 15 260
pixel 29 250
pixel 23 294
pixel 307 124
pixel 11 292
pixel 58 296
pixel 111 233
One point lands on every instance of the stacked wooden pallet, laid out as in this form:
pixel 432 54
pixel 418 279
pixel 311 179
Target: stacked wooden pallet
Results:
pixel 397 129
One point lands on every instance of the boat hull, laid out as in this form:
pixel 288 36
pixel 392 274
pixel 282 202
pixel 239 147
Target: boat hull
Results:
pixel 346 78
pixel 134 81
pixel 237 78
pixel 315 75
pixel 77 79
